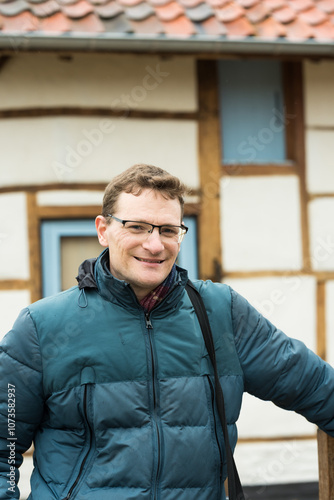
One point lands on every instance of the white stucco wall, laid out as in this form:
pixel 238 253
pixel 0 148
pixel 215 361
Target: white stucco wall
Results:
pixel 14 262
pixel 277 462
pixel 319 121
pixel 330 321
pixel 321 217
pixel 99 80
pixel 261 227
pixel 69 198
pixel 91 149
pixel 318 89
pixel 12 301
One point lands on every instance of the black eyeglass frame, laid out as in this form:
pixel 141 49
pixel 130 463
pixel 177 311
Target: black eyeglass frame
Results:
pixel 182 226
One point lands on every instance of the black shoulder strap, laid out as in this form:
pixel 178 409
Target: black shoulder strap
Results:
pixel 234 486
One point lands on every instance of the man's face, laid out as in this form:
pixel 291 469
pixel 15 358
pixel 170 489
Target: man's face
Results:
pixel 144 263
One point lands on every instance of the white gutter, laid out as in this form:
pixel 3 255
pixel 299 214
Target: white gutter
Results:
pixel 118 42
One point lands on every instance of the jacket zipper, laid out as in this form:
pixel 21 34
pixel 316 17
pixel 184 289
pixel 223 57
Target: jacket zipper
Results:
pixel 215 426
pixel 150 327
pixel 90 445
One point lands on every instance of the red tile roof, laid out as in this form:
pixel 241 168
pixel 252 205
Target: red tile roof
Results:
pixel 257 20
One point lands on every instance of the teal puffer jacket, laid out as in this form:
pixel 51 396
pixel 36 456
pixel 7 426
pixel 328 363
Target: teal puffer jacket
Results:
pixel 120 406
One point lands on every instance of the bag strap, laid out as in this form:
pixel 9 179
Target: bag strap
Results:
pixel 234 485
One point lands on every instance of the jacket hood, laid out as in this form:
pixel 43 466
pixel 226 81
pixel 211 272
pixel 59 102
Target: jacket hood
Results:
pixel 86 278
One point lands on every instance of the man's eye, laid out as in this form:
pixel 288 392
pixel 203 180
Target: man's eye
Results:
pixel 169 231
pixel 137 228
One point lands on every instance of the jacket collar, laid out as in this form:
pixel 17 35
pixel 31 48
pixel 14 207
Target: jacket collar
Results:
pixel 95 274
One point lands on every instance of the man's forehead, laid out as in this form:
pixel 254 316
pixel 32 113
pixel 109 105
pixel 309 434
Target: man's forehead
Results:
pixel 147 202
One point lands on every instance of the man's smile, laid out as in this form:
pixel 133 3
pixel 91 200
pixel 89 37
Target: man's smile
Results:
pixel 150 261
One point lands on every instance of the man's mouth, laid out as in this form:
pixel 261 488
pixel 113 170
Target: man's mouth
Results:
pixel 150 261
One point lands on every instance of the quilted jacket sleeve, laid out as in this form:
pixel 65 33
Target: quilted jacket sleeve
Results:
pixel 21 391
pixel 282 369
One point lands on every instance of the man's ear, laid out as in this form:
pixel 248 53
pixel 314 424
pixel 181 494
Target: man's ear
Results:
pixel 101 227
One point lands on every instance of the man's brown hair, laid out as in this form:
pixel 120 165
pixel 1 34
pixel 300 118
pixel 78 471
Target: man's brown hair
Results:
pixel 139 177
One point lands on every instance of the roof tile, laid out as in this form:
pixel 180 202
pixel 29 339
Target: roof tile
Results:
pixel 300 5
pixel 99 2
pixel 229 12
pixel 265 19
pixel 170 11
pixel 36 2
pixel 89 23
pixel 67 2
pixel 212 26
pixel 159 2
pixel 247 4
pixel 150 25
pixel 313 16
pixel 200 13
pixel 139 12
pixel 270 29
pixel 129 3
pixel 23 22
pixel 57 23
pixel 45 9
pixel 118 24
pixel 298 30
pixel 272 5
pixel 257 13
pixel 218 3
pixel 324 31
pixel 326 5
pixel 111 9
pixel 191 3
pixel 285 15
pixel 78 10
pixel 180 26
pixel 240 28
pixel 14 8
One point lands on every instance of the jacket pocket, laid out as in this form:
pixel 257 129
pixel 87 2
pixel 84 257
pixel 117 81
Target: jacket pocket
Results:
pixel 89 449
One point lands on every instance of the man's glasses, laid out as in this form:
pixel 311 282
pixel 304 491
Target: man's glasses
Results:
pixel 141 229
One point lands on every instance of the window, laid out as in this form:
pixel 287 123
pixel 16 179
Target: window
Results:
pixel 252 109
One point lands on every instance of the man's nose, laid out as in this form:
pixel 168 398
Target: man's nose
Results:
pixel 153 242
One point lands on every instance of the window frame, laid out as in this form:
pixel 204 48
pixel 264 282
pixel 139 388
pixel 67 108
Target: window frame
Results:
pixel 291 77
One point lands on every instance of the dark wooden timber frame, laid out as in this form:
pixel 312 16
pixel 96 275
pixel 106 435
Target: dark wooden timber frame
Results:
pixel 326 466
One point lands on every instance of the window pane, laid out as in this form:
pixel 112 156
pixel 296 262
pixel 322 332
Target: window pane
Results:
pixel 252 111
pixel 74 250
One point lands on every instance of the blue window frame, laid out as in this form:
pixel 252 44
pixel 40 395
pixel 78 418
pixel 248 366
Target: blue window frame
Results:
pixel 252 112
pixel 53 231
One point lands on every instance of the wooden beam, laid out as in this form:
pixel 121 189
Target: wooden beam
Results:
pixel 316 196
pixel 271 439
pixel 38 112
pixel 34 248
pixel 321 319
pixel 210 259
pixel 295 135
pixel 14 284
pixel 34 188
pixel 326 466
pixel 319 275
pixel 68 212
pixel 258 170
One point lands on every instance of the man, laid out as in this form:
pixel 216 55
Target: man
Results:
pixel 112 381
